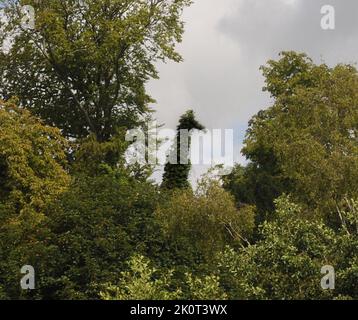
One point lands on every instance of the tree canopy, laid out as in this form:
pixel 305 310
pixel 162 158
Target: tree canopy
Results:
pixel 306 143
pixel 85 65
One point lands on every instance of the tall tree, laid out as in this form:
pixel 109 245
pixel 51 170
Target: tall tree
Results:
pixel 176 174
pixel 307 142
pixel 85 64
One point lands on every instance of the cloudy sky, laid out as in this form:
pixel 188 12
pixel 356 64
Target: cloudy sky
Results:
pixel 224 45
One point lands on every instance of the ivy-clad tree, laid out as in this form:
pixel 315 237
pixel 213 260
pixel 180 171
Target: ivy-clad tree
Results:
pixel 85 64
pixel 176 170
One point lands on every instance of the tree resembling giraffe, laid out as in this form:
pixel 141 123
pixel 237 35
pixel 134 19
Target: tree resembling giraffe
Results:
pixel 176 174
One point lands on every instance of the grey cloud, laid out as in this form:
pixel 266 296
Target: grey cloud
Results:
pixel 263 28
pixel 224 45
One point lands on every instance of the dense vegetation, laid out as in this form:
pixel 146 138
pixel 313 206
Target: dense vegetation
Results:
pixel 94 227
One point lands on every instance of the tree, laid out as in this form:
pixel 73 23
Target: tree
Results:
pixel 32 160
pixel 85 65
pixel 77 233
pixel 32 175
pixel 176 175
pixel 257 186
pixel 286 263
pixel 144 282
pixel 196 225
pixel 306 143
pixel 91 231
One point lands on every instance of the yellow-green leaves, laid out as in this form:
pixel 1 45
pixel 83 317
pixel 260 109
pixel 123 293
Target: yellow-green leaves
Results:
pixel 32 158
pixel 307 140
pixel 205 222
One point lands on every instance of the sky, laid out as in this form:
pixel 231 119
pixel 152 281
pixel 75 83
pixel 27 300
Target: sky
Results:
pixel 225 43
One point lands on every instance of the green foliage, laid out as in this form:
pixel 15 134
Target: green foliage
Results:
pixel 286 263
pixel 207 288
pixel 306 143
pixel 85 65
pixel 93 228
pixel 292 71
pixel 256 185
pixel 32 175
pixel 176 174
pixel 143 282
pixel 93 158
pixel 76 211
pixel 198 225
pixel 32 159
